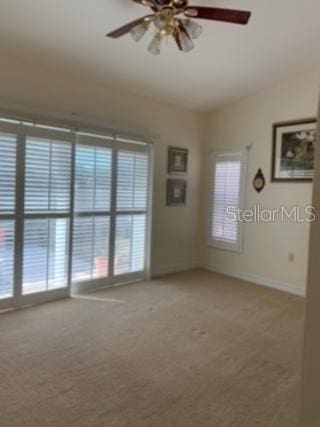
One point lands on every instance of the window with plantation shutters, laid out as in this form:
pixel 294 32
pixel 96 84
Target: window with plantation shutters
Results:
pixel 47 214
pixel 74 210
pixel 131 211
pixel 130 243
pixel 47 178
pixel 91 232
pixel 132 185
pixel 227 197
pixel 7 228
pixel 93 179
pixel 8 149
pixel 46 254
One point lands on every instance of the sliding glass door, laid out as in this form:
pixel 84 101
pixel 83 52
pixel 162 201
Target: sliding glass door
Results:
pixel 131 211
pixel 47 211
pixel 74 212
pixel 111 211
pixel 91 236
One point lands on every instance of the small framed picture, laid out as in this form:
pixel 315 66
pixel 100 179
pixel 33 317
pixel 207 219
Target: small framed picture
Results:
pixel 177 161
pixel 176 192
pixel 293 151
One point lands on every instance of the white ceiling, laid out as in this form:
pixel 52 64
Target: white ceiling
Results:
pixel 282 39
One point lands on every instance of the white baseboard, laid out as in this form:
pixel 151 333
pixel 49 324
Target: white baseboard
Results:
pixel 259 280
pixel 175 268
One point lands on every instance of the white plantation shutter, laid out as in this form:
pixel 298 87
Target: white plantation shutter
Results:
pixel 74 206
pixel 8 148
pixel 46 214
pixel 90 248
pixel 227 197
pixel 45 261
pixel 47 178
pixel 131 212
pixel 130 243
pixel 7 231
pixel 132 188
pixel 93 179
pixel 91 231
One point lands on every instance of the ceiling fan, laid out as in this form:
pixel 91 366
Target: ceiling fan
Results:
pixel 174 18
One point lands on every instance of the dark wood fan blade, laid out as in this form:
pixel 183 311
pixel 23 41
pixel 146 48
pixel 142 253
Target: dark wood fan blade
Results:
pixel 180 29
pixel 176 37
pixel 119 32
pixel 218 14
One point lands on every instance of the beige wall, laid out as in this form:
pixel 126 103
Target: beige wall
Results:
pixel 310 408
pixel 175 231
pixel 266 246
pixel 176 243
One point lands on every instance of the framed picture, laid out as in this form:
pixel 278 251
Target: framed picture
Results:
pixel 177 160
pixel 293 151
pixel 176 192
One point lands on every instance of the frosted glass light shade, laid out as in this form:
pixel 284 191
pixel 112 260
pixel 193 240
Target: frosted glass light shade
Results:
pixel 194 29
pixel 138 32
pixel 155 45
pixel 186 42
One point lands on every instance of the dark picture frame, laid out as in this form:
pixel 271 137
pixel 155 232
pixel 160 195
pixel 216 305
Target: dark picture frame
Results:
pixel 176 192
pixel 178 160
pixel 293 145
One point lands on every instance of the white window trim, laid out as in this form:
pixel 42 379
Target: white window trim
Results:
pixel 214 158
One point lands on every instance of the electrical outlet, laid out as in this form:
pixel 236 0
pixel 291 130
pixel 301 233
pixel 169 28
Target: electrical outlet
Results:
pixel 291 257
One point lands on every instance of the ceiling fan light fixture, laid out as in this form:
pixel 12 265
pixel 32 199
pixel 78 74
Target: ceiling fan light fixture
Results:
pixel 155 45
pixel 185 41
pixel 164 18
pixel 139 31
pixel 193 28
pixel 176 19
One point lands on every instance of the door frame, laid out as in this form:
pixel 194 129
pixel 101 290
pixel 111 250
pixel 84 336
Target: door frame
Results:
pixel 145 274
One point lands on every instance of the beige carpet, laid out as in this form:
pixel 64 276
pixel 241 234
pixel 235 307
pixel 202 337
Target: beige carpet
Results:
pixel 192 349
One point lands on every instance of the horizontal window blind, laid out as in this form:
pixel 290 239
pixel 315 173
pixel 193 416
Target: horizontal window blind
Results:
pixel 7 232
pixel 45 254
pixel 227 198
pixel 8 147
pixel 48 176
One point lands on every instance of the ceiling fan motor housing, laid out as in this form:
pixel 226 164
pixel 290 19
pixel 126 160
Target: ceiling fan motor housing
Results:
pixel 163 17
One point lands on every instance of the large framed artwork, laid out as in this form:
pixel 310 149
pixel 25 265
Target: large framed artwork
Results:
pixel 176 192
pixel 293 151
pixel 177 161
